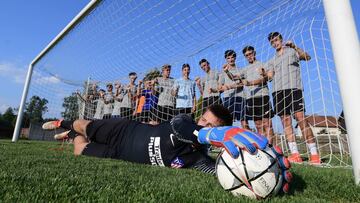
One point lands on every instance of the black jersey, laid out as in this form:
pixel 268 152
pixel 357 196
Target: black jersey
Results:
pixel 142 143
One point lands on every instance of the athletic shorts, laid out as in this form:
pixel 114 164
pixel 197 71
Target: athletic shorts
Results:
pixel 163 113
pixel 208 101
pixel 107 116
pixel 144 116
pixel 236 106
pixel 184 111
pixel 258 108
pixel 288 101
pixel 126 113
pixel 104 135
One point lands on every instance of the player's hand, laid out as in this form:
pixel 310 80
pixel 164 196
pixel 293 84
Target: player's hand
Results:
pixel 197 81
pixel 261 71
pixel 232 138
pixel 225 67
pixel 285 166
pixel 212 90
pixel 290 44
pixel 193 109
pixel 128 88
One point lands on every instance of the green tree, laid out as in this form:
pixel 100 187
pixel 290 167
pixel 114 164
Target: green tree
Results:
pixel 71 107
pixel 152 74
pixel 9 116
pixel 35 110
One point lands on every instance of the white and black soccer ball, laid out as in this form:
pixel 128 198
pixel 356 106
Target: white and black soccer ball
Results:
pixel 257 176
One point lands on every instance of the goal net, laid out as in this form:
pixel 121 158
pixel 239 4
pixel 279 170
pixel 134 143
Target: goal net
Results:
pixel 114 62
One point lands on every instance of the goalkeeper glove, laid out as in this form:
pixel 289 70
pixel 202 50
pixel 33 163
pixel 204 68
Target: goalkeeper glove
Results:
pixel 232 138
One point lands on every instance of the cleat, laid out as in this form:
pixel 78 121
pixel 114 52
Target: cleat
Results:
pixel 295 158
pixel 51 125
pixel 62 136
pixel 278 150
pixel 286 162
pixel 315 159
pixel 288 176
pixel 286 188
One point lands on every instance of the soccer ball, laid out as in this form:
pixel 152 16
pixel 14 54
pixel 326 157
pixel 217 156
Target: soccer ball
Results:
pixel 257 176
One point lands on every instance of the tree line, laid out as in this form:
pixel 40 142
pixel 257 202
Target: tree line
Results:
pixel 34 112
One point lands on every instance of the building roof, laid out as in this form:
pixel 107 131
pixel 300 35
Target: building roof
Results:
pixel 322 121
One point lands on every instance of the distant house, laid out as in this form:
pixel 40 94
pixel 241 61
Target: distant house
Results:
pixel 24 133
pixel 322 125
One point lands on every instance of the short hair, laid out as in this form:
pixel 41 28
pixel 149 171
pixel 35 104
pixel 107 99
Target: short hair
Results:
pixel 165 66
pixel 109 84
pixel 229 52
pixel 185 65
pixel 222 113
pixel 102 90
pixel 203 60
pixel 272 35
pixel 248 48
pixel 132 73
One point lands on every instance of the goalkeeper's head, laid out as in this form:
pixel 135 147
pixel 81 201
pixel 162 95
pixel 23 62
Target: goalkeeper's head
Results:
pixel 216 115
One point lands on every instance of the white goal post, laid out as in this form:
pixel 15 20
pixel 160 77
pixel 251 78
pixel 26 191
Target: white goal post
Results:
pixel 103 43
pixel 76 20
pixel 346 50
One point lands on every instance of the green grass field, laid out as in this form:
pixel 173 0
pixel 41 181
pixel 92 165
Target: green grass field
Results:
pixel 33 171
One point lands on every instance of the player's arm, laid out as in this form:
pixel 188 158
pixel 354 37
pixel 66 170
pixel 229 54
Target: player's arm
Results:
pixel 233 77
pixel 175 89
pixel 118 89
pixel 80 96
pixel 302 54
pixel 199 85
pixel 262 80
pixel 194 101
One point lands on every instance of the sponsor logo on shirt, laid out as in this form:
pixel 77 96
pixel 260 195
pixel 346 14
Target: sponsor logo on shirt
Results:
pixel 177 163
pixel 155 152
pixel 172 139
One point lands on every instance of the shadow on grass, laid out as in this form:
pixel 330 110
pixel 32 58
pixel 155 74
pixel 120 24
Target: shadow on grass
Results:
pixel 297 185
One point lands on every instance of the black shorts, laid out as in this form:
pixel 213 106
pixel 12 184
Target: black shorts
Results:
pixel 163 113
pixel 236 106
pixel 208 101
pixel 288 101
pixel 144 116
pixel 184 111
pixel 107 116
pixel 258 108
pixel 126 113
pixel 104 135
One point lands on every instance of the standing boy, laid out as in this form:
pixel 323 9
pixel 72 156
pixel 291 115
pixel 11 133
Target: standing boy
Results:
pixel 284 70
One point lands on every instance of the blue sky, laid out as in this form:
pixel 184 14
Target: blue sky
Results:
pixel 27 27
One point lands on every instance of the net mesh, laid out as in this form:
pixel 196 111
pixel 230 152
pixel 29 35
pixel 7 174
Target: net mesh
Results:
pixel 113 64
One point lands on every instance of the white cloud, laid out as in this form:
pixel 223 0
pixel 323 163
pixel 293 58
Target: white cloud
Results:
pixel 47 80
pixel 18 74
pixel 12 71
pixel 3 107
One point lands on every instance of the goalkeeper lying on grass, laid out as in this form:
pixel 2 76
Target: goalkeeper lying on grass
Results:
pixel 180 143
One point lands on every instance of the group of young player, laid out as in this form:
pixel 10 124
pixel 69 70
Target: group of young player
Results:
pixel 243 91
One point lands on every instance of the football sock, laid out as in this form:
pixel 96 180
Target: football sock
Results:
pixel 293 147
pixel 67 124
pixel 312 148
